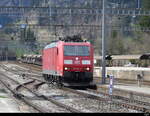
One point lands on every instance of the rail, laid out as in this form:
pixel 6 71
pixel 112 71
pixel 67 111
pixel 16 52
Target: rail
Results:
pixel 139 106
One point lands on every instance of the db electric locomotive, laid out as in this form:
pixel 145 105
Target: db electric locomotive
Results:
pixel 70 63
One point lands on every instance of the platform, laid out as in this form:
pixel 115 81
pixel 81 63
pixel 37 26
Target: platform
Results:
pixel 7 104
pixel 130 88
pixel 129 73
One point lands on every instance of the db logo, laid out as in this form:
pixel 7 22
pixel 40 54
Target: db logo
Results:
pixel 77 62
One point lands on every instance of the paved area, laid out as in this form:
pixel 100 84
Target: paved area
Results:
pixel 7 104
pixel 132 88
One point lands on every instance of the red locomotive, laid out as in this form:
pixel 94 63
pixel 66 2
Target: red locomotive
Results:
pixel 68 63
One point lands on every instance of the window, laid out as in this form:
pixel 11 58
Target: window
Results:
pixel 72 50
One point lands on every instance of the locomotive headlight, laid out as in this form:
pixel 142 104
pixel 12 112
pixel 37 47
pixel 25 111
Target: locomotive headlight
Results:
pixel 77 58
pixel 87 69
pixel 66 68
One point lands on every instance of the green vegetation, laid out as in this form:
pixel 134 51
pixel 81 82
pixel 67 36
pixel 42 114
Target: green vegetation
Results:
pixel 19 52
pixel 27 35
pixel 145 20
pixel 115 44
pixel 3 97
pixel 131 42
pixel 118 41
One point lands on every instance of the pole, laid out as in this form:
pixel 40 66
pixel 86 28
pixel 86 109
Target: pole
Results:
pixel 139 2
pixel 6 54
pixel 103 45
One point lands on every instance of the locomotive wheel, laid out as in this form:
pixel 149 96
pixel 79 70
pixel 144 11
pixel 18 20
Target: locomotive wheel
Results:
pixel 53 80
pixel 59 85
pixel 59 82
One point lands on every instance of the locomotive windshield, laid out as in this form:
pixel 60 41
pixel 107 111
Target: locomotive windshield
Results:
pixel 76 50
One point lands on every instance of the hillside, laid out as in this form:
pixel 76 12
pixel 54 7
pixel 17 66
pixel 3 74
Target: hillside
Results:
pixel 118 41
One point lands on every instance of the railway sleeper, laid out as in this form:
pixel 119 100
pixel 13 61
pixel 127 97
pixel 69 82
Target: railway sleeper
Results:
pixel 126 99
pixel 133 107
pixel 60 104
pixel 147 111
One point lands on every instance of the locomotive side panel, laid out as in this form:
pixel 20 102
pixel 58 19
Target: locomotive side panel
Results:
pixel 45 61
pixel 51 61
pixel 60 59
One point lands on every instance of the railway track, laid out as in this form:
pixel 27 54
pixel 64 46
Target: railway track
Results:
pixel 96 79
pixel 29 66
pixel 22 97
pixel 120 101
pixel 125 99
pixel 131 95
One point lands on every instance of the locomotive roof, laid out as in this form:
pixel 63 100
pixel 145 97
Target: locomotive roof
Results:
pixel 51 45
pixel 67 39
pixel 54 44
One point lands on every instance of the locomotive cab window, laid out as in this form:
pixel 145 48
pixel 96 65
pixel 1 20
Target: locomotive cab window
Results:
pixel 76 50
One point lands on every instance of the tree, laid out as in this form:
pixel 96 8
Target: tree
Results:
pixel 145 20
pixel 115 45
